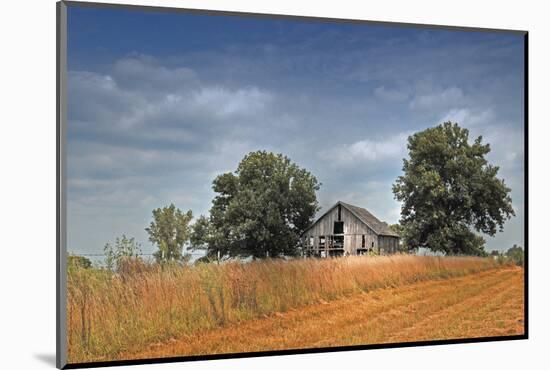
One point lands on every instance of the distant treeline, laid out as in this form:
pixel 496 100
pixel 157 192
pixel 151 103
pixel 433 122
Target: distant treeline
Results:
pixel 514 254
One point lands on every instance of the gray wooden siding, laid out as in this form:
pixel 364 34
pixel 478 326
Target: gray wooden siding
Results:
pixel 388 244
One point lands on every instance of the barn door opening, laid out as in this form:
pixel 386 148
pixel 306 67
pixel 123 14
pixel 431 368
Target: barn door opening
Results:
pixel 338 237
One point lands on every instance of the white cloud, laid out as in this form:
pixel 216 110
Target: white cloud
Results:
pixel 138 93
pixel 391 95
pixel 466 117
pixel 368 150
pixel 224 102
pixel 451 96
pixel 148 75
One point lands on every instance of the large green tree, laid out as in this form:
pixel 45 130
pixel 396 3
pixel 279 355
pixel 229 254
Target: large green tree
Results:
pixel 449 190
pixel 169 231
pixel 260 210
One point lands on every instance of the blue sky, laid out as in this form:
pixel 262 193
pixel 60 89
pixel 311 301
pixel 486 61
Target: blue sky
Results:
pixel 161 103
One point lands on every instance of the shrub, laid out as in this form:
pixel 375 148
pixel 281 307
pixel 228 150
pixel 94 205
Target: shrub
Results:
pixel 122 249
pixel 76 262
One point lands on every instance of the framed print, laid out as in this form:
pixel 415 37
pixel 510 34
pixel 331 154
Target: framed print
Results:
pixel 234 184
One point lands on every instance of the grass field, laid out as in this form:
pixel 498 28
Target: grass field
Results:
pixel 283 305
pixel 479 305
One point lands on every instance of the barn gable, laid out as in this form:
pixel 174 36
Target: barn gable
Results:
pixel 367 218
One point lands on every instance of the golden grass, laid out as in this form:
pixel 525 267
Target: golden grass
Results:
pixel 485 304
pixel 110 315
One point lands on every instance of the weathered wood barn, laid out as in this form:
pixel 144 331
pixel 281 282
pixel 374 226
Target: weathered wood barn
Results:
pixel 348 230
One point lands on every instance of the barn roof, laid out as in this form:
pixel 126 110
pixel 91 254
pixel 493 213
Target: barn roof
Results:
pixel 379 227
pixel 368 218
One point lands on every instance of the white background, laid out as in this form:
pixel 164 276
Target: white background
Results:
pixel 27 203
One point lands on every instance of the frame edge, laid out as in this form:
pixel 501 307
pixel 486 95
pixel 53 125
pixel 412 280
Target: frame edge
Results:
pixel 61 200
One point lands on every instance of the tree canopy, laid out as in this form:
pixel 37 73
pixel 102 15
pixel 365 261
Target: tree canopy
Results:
pixel 169 231
pixel 260 210
pixel 449 190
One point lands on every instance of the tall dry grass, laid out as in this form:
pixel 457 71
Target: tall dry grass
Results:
pixel 113 313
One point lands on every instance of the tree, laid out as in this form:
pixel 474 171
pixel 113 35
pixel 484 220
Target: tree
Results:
pixel 76 262
pixel 449 190
pixel 123 248
pixel 200 233
pixel 260 210
pixel 400 230
pixel 516 254
pixel 495 253
pixel 169 231
pixel 201 238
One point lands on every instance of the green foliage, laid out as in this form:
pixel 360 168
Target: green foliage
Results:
pixel 123 248
pixel 169 231
pixel 402 247
pixel 398 229
pixel 78 262
pixel 201 233
pixel 448 189
pixel 204 259
pixel 516 254
pixel 373 252
pixel 260 210
pixel 494 253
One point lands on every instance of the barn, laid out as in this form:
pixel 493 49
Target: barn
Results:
pixel 346 229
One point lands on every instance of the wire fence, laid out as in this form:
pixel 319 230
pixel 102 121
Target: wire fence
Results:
pixel 137 254
pixel 100 259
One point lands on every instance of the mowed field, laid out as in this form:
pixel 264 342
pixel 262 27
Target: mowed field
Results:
pixel 485 304
pixel 147 310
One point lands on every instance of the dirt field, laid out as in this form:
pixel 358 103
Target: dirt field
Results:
pixel 479 305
